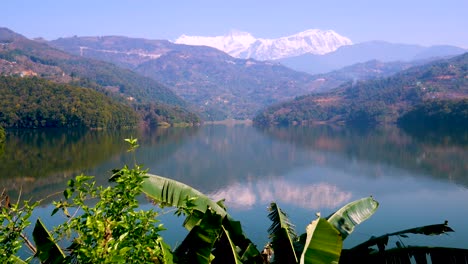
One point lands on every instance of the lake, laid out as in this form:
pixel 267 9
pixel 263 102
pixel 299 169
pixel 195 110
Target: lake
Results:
pixel 419 178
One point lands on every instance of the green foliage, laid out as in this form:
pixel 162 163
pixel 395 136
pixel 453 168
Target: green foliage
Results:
pixel 114 229
pixel 34 103
pixel 2 135
pixel 14 218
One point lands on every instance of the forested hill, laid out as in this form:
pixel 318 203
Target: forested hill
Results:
pixel 442 84
pixel 38 103
pixel 24 57
pixel 155 103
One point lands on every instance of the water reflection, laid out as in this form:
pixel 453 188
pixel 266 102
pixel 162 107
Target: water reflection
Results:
pixel 39 162
pixel 440 156
pixel 313 196
pixel 418 180
pixel 224 160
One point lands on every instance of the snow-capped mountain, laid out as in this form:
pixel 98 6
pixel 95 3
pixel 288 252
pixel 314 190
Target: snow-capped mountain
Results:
pixel 244 45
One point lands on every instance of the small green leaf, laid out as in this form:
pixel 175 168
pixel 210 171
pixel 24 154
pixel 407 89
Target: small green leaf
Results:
pixel 54 211
pixel 71 183
pixel 82 178
pixel 67 193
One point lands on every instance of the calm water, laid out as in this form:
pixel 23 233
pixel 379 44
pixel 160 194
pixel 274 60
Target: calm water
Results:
pixel 419 179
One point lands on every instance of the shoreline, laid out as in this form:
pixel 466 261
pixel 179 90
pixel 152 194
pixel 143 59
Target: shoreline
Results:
pixel 229 122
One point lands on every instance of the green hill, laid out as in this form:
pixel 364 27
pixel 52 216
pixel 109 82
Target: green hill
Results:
pixel 384 100
pixel 23 57
pixel 27 57
pixel 38 103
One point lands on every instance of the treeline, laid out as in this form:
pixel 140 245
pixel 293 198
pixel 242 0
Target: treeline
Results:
pixel 381 101
pixel 154 114
pixel 437 114
pixel 2 140
pixel 37 103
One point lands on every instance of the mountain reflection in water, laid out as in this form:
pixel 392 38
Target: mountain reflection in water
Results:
pixel 313 196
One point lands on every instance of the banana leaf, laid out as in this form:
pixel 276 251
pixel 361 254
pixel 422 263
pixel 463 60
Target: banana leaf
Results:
pixel 382 241
pixel 323 243
pixel 226 251
pixel 412 254
pixel 282 236
pixel 47 250
pixel 198 244
pixel 169 192
pixel 235 244
pixel 352 214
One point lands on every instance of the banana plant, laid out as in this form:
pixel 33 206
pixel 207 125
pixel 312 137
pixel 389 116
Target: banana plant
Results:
pixel 215 235
pixel 323 240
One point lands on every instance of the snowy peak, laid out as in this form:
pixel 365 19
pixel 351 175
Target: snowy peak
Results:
pixel 234 43
pixel 243 45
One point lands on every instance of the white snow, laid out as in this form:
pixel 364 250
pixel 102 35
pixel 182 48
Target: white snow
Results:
pixel 244 45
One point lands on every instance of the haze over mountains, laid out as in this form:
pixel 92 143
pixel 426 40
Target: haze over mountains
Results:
pixel 365 51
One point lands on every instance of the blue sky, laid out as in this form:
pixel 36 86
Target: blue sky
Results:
pixel 425 22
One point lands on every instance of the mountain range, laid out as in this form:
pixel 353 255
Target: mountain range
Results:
pixel 245 46
pixel 361 52
pixel 213 83
pixel 432 94
pixel 317 51
pixel 218 85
